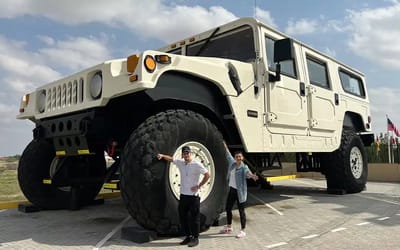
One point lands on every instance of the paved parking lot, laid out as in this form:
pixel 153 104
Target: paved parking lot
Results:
pixel 296 214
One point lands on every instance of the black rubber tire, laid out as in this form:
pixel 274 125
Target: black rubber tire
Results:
pixel 34 166
pixel 144 179
pixel 339 175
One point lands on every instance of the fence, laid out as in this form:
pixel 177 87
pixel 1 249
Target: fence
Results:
pixel 378 153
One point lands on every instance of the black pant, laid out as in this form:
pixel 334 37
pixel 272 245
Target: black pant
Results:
pixel 232 198
pixel 189 215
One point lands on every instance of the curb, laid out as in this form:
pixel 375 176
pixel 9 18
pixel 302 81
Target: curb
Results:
pixel 281 178
pixel 14 204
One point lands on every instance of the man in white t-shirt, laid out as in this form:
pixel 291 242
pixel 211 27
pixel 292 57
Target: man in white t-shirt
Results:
pixel 189 202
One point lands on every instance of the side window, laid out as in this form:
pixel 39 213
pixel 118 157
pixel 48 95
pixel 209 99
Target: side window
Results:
pixel 318 72
pixel 287 68
pixel 351 83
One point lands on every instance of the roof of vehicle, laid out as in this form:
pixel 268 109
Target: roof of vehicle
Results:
pixel 253 23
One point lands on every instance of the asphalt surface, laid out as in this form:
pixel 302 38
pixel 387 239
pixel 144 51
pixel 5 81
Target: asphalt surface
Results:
pixel 296 214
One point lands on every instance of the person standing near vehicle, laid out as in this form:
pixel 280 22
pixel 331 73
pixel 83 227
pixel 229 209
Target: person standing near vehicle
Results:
pixel 189 201
pixel 237 174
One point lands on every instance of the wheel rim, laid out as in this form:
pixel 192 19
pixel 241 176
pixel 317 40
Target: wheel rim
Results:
pixel 54 168
pixel 356 162
pixel 201 154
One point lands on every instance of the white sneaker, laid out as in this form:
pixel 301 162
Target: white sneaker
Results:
pixel 226 230
pixel 241 234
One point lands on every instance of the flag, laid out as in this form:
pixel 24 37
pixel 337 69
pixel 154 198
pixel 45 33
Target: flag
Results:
pixel 392 127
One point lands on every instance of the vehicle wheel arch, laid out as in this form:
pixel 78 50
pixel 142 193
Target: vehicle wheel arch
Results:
pixel 353 121
pixel 199 95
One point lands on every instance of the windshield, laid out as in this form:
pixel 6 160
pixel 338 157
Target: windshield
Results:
pixel 236 44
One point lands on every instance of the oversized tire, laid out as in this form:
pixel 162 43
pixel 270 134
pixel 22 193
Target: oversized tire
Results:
pixel 150 188
pixel 34 166
pixel 347 167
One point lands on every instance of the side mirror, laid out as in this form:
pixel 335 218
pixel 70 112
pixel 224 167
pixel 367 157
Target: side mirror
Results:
pixel 283 51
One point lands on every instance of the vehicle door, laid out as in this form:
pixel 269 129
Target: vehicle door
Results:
pixel 285 99
pixel 322 97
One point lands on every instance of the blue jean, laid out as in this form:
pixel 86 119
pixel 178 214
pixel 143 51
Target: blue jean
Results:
pixel 232 198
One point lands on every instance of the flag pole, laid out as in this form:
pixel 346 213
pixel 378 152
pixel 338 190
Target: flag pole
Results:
pixel 388 139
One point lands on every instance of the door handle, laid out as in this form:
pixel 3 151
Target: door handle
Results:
pixel 302 89
pixel 336 99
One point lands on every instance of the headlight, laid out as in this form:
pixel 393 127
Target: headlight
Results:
pixel 41 101
pixel 96 85
pixel 149 63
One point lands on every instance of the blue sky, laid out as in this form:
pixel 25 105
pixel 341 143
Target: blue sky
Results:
pixel 43 40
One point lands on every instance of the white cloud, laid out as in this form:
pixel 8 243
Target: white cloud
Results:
pixel 76 53
pixel 330 52
pixel 7 114
pixel 265 17
pixel 376 35
pixel 384 101
pixel 19 84
pixel 26 68
pixel 21 71
pixel 15 135
pixel 13 8
pixel 301 27
pixel 69 12
pixel 336 26
pixel 20 68
pixel 152 19
pixel 172 24
pixel 46 39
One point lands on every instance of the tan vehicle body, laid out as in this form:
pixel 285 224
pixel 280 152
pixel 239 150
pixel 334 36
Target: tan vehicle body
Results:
pixel 243 83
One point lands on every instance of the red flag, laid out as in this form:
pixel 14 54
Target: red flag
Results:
pixel 392 127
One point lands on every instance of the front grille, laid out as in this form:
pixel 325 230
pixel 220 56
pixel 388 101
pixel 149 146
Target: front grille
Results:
pixel 64 95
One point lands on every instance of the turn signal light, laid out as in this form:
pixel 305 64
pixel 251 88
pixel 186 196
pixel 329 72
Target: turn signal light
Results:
pixel 24 103
pixel 131 63
pixel 163 59
pixel 25 99
pixel 133 78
